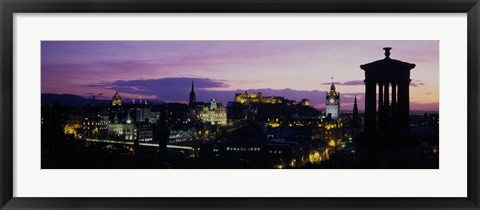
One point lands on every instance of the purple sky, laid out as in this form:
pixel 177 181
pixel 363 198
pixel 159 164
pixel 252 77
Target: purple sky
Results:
pixel 294 69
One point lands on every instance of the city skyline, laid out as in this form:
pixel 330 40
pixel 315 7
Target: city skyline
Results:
pixel 164 70
pixel 240 104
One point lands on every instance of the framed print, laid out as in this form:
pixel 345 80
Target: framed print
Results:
pixel 239 105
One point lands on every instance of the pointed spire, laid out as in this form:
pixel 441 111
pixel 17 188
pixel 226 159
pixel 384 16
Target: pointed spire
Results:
pixel 192 100
pixel 332 87
pixel 355 107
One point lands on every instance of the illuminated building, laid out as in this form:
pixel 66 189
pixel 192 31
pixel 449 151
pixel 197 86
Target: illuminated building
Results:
pixel 89 127
pixel 125 130
pixel 116 128
pixel 213 113
pixel 248 97
pixel 116 99
pixel 142 113
pixel 73 126
pixel 332 103
pixel 154 116
pixel 116 110
pixel 305 102
pixel 245 98
pixel 144 131
pixel 272 100
pixel 259 107
pixel 72 129
pixel 332 132
pixel 94 126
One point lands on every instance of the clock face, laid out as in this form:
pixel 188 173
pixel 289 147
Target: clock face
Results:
pixel 332 100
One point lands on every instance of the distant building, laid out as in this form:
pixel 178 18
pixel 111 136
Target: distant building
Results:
pixel 144 131
pixel 248 97
pixel 332 103
pixel 305 102
pixel 213 113
pixel 94 126
pixel 333 132
pixel 116 110
pixel 124 130
pixel 177 115
pixel 116 99
pixel 245 98
pixel 74 126
pixel 142 113
pixel 154 116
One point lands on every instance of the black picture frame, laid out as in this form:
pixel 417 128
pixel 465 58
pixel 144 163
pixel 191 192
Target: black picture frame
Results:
pixel 10 7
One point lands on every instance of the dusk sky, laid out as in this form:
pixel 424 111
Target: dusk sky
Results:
pixel 163 70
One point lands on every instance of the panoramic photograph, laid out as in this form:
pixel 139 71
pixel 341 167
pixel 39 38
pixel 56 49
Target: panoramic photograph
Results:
pixel 238 104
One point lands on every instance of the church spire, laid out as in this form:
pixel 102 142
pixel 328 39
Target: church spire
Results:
pixel 355 117
pixel 192 100
pixel 355 108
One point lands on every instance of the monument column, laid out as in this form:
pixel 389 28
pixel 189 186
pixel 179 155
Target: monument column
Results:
pixel 380 107
pixel 394 106
pixel 393 111
pixel 386 104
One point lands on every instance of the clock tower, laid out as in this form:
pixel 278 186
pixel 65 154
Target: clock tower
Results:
pixel 332 103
